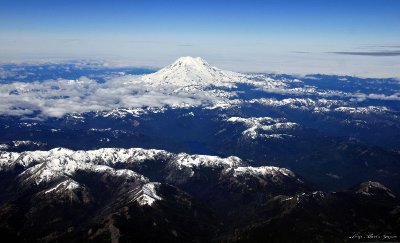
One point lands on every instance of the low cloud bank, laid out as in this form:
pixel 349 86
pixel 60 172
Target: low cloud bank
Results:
pixel 59 97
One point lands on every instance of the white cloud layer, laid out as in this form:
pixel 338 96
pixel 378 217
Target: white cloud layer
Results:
pixel 58 97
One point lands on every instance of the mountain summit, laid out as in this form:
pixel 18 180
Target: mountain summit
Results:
pixel 193 71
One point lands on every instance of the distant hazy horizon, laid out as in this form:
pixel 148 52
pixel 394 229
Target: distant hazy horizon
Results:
pixel 359 38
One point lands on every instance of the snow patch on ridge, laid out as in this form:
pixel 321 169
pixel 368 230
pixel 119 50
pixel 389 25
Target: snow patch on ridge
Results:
pixel 68 184
pixel 147 195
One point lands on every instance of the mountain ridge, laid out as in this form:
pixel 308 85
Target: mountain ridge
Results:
pixel 154 195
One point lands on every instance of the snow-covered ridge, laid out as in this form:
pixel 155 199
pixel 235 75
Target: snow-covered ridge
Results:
pixel 69 160
pixel 105 156
pixel 59 167
pixel 21 143
pixel 262 170
pixel 55 171
pixel 319 105
pixel 299 103
pixel 45 166
pixel 185 160
pixel 265 127
pixel 369 188
pixel 362 110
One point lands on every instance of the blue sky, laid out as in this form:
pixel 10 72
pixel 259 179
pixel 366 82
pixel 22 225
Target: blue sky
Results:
pixel 281 36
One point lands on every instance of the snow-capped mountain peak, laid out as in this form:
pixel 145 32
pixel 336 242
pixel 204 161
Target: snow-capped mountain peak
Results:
pixel 190 61
pixel 193 71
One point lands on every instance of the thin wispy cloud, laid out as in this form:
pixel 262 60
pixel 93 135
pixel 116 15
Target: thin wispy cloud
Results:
pixel 369 53
pixel 378 46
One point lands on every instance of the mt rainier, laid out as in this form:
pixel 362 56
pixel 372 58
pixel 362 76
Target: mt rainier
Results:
pixel 196 72
pixel 187 71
